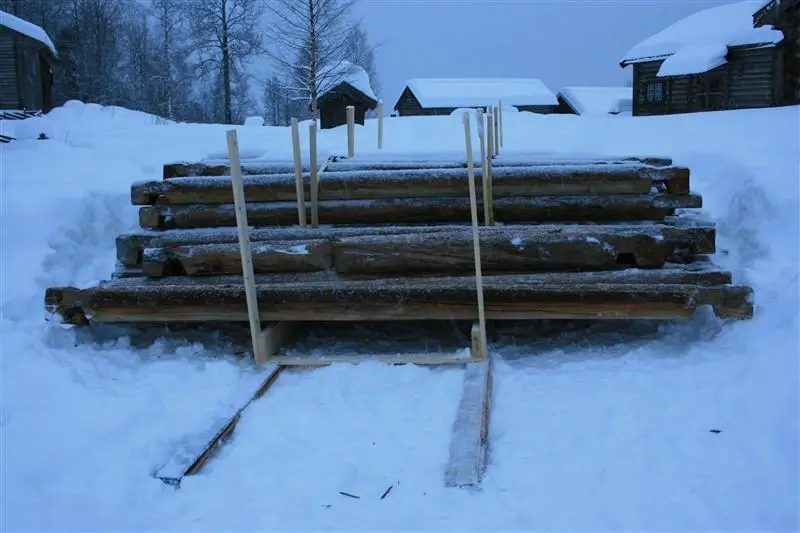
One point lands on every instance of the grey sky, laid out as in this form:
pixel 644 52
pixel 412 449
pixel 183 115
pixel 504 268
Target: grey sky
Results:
pixel 561 42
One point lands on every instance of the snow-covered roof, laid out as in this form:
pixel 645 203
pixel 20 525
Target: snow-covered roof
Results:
pixel 26 28
pixel 473 92
pixel 350 73
pixel 700 36
pixel 598 100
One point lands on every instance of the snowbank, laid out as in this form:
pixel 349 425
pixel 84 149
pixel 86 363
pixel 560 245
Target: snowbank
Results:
pixel 599 431
pixel 475 92
pixel 27 28
pixel 726 25
pixel 73 120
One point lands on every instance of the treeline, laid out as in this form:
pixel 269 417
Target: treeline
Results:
pixel 190 60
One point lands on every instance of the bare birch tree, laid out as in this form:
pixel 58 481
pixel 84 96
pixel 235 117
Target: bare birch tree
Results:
pixel 224 32
pixel 361 52
pixel 307 43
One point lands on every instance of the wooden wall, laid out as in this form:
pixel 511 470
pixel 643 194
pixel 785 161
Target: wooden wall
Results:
pixel 9 94
pixel 25 81
pixel 750 79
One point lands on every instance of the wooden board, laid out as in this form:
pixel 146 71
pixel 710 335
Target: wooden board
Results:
pixel 544 180
pixel 221 167
pixel 632 293
pixel 503 249
pixel 426 211
pixel 468 444
pixel 196 450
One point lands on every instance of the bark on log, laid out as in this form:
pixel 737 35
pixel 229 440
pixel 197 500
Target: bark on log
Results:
pixel 503 249
pixel 426 211
pixel 422 183
pixel 214 259
pixel 506 297
pixel 221 167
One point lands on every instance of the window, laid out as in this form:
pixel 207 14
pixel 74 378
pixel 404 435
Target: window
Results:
pixel 654 93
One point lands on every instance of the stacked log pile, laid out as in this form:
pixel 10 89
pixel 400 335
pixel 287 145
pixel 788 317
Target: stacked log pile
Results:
pixel 574 239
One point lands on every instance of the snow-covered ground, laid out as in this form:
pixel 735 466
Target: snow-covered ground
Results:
pixel 588 432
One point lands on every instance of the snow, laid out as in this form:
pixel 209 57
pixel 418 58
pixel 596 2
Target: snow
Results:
pixel 590 429
pixel 26 28
pixel 726 25
pixel 254 121
pixel 347 72
pixel 598 100
pixel 480 92
pixel 694 59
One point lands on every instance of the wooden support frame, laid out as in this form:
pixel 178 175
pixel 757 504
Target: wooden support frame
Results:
pixel 351 131
pixel 475 233
pixel 487 177
pixel 265 342
pixel 380 124
pixel 298 174
pixel 312 154
pixel 500 123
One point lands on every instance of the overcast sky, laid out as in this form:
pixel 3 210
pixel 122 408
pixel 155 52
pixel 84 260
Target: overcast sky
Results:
pixel 561 42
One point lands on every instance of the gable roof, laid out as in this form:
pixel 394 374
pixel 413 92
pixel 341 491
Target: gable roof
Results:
pixel 478 92
pixel 350 74
pixel 28 29
pixel 598 100
pixel 721 26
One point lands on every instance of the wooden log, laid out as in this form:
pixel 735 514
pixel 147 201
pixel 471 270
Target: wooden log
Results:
pixel 521 249
pixel 505 298
pixel 213 259
pixel 541 180
pixel 220 167
pixel 130 246
pixel 700 272
pixel 627 207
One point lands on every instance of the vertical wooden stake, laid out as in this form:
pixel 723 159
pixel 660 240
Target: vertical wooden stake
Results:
pixel 240 208
pixel 484 181
pixel 487 187
pixel 312 145
pixel 496 132
pixel 500 123
pixel 298 174
pixel 351 131
pixel 380 124
pixel 476 243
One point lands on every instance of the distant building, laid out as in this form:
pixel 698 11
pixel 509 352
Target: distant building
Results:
pixel 714 59
pixel 26 75
pixel 595 100
pixel 442 96
pixel 784 15
pixel 351 88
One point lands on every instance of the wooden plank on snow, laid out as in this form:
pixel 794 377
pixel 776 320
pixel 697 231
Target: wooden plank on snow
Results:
pixel 198 449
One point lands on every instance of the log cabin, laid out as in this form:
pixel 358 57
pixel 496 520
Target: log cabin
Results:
pixel 351 87
pixel 712 60
pixel 27 56
pixel 595 101
pixel 442 96
pixel 784 15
